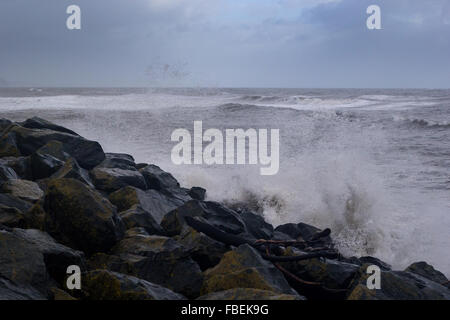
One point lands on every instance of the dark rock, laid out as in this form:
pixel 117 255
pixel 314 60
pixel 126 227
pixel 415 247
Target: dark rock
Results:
pixel 56 256
pixel 152 201
pixel 427 271
pixel 216 214
pixel 47 160
pixel 39 123
pixel 205 251
pixel 256 225
pixel 158 179
pixel 277 235
pixel 118 160
pixel 11 217
pixel 245 268
pixel 331 274
pixel 23 189
pixel 71 170
pixel 7 173
pixel 12 291
pixel 197 193
pixel 248 294
pixel 107 285
pixel 20 165
pixel 21 262
pixel 160 260
pixel 9 200
pixel 17 141
pixel 303 231
pixel 397 285
pixel 375 261
pixel 136 216
pixel 79 217
pixel 113 179
pixel 58 294
pixel 4 123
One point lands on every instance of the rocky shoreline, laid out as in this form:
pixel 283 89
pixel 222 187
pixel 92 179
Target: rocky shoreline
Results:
pixel 136 233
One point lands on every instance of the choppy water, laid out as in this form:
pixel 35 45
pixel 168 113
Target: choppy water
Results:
pixel 373 165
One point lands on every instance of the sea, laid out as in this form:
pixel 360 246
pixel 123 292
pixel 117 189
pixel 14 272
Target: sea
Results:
pixel 371 164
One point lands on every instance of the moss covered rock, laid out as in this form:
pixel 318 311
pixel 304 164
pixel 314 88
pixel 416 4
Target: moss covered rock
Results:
pixel 248 294
pixel 113 179
pixel 151 201
pixel 107 285
pixel 397 285
pixel 78 216
pixel 245 268
pixel 23 189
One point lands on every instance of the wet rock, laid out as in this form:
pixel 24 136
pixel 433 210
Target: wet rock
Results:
pixel 107 285
pixel 47 160
pixel 158 179
pixel 71 170
pixel 11 217
pixel 248 294
pixel 4 123
pixel 205 251
pixel 79 217
pixel 427 271
pixel 136 216
pixel 35 217
pixel 113 179
pixel 303 231
pixel 118 160
pixel 23 189
pixel 245 268
pixel 197 193
pixel 9 200
pixel 58 294
pixel 214 213
pixel 20 165
pixel 368 260
pixel 397 285
pixel 56 256
pixel 331 274
pixel 153 202
pixel 7 173
pixel 160 260
pixel 256 225
pixel 21 263
pixel 20 141
pixel 12 291
pixel 39 123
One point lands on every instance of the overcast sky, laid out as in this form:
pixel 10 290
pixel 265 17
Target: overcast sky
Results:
pixel 228 43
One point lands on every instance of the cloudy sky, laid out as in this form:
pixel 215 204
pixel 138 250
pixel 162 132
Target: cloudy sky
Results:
pixel 228 43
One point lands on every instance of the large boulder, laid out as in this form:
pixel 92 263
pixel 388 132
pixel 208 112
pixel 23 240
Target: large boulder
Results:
pixel 152 201
pixel 71 170
pixel 197 193
pixel 47 160
pixel 113 179
pixel 39 123
pixel 56 256
pixel 20 165
pixel 427 271
pixel 160 260
pixel 20 141
pixel 256 225
pixel 216 214
pixel 79 217
pixel 397 285
pixel 23 189
pixel 7 173
pixel 158 179
pixel 13 291
pixel 118 160
pixel 107 285
pixel 21 263
pixel 11 201
pixel 205 251
pixel 11 217
pixel 136 216
pixel 248 294
pixel 245 268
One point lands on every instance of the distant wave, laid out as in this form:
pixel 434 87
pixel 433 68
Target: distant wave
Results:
pixel 426 123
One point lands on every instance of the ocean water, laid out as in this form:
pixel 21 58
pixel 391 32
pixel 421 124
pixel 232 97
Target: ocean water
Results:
pixel 373 165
